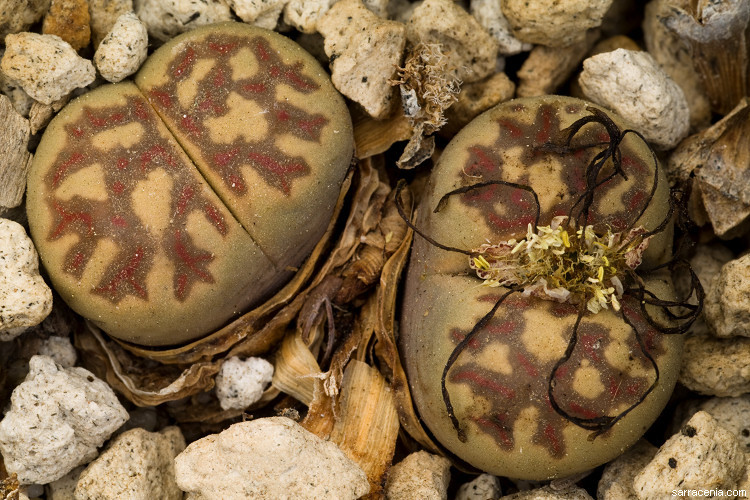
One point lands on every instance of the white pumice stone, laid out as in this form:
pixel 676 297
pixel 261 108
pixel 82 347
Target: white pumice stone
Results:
pixel 123 50
pixel 548 493
pixel 45 66
pixel 268 458
pixel 632 84
pixel 137 464
pixel 25 299
pixel 703 455
pixel 553 22
pixel 727 305
pixel 261 13
pixel 57 420
pixel 471 51
pixel 616 482
pixel 483 487
pixel 241 383
pixel 104 15
pixel 419 475
pixel 365 51
pixel 490 15
pixel 60 350
pixel 166 19
pixel 716 367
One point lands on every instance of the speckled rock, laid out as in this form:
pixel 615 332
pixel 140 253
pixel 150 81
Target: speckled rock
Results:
pixel 471 50
pixel 15 158
pixel 264 13
pixel 65 487
pixel 547 68
pixel 616 482
pixel 673 56
pixel 21 100
pixel 490 15
pixel 104 15
pixel 702 455
pixel 165 19
pixel 716 367
pixel 706 262
pixel 123 50
pixel 365 52
pixel 733 414
pixel 60 349
pixel 632 84
pixel 58 418
pixel 550 493
pixel 419 475
pixel 727 304
pixel 554 22
pixel 498 385
pixel 45 66
pixel 476 98
pixel 304 14
pixel 25 300
pixel 268 458
pixel 241 383
pixel 203 215
pixel 19 15
pixel 136 464
pixel 69 19
pixel 483 487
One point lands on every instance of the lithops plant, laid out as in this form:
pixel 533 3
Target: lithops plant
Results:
pixel 535 314
pixel 163 208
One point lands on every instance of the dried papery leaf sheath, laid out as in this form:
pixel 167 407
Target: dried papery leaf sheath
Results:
pixel 163 209
pixel 513 378
pixel 716 34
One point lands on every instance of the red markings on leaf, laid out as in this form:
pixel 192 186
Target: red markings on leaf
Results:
pixel 492 426
pixel 156 152
pixel 164 99
pixel 527 365
pixel 188 123
pixel 236 183
pixel 544 133
pixel 222 48
pixel 312 126
pixel 115 219
pixel 64 166
pixel 554 439
pixel 280 172
pixel 514 130
pixel 187 60
pixel 483 382
pixel 215 217
pixel 261 50
pixel 69 218
pixel 125 279
pixel 75 263
pixel 185 196
pixel 282 115
pixel 223 159
pixel 119 221
pixel 582 412
pixel 219 78
pixel 191 264
pixel 254 87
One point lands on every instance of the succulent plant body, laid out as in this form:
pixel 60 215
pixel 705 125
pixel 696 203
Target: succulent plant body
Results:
pixel 163 208
pixel 557 358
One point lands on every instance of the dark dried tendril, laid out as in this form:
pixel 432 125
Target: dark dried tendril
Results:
pixel 683 311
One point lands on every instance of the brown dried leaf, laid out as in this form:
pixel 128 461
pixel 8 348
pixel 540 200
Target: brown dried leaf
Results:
pixel 367 427
pixel 10 488
pixel 142 381
pixel 387 350
pixel 373 137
